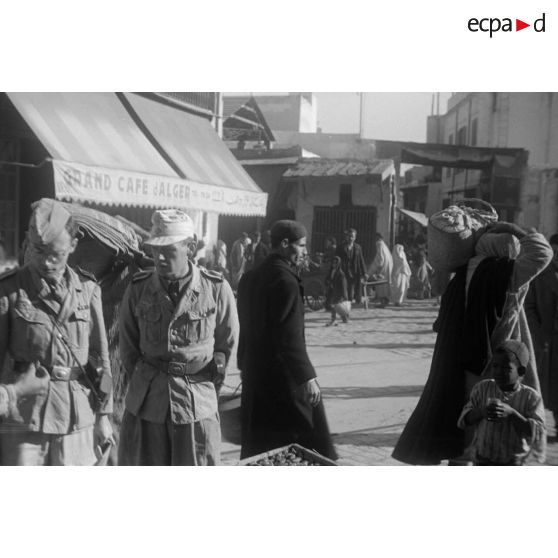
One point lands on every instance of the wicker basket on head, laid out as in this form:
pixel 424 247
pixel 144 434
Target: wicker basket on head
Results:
pixel 453 232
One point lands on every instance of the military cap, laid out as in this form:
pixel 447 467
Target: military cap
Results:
pixel 169 227
pixel 517 348
pixel 291 230
pixel 48 220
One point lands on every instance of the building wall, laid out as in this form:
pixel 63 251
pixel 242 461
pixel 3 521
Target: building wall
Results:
pixel 308 120
pixel 296 112
pixel 330 146
pixel 324 191
pixel 509 119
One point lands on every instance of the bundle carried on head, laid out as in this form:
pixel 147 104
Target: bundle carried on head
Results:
pixel 454 231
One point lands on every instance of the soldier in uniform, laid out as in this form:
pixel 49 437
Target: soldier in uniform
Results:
pixel 51 317
pixel 178 326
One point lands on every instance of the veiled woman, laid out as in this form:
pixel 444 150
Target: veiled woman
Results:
pixel 481 308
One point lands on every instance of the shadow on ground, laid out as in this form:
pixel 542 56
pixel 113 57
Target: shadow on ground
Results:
pixel 369 437
pixel 357 392
pixel 377 345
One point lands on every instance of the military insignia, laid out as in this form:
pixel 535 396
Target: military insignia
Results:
pixel 4 304
pixel 213 275
pixel 141 275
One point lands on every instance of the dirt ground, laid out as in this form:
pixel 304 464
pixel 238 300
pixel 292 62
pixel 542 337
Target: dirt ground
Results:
pixel 371 371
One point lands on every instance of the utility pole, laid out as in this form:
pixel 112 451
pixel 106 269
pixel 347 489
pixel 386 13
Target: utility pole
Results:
pixel 361 116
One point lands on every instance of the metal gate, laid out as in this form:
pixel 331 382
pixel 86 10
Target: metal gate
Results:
pixel 334 221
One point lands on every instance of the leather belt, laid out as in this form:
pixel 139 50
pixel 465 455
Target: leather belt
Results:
pixel 175 368
pixel 64 373
pixel 57 373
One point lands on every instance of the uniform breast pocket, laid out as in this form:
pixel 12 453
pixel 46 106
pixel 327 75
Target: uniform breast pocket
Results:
pixel 149 317
pixel 80 326
pixel 34 328
pixel 201 324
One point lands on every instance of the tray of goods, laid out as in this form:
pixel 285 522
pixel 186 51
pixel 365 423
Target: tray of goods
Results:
pixel 292 456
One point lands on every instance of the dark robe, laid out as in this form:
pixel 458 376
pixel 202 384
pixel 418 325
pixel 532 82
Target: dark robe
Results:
pixel 541 308
pixel 274 364
pixel 463 343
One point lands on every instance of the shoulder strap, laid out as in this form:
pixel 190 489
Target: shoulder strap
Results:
pixel 142 275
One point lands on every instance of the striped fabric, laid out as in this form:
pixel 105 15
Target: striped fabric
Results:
pixel 193 145
pixel 499 441
pixel 90 128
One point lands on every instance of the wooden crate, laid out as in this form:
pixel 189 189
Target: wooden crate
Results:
pixel 310 455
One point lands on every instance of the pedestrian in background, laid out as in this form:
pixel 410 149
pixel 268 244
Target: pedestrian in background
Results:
pixel 178 326
pixel 352 264
pixel 400 275
pixel 541 308
pixel 256 252
pixel 507 416
pixel 51 317
pixel 336 292
pixel 281 398
pixel 420 287
pixel 330 250
pixel 220 259
pixel 380 269
pixel 238 259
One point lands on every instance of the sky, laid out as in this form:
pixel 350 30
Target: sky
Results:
pixel 389 116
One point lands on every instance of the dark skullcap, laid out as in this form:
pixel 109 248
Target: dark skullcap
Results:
pixel 48 220
pixel 291 230
pixel 517 348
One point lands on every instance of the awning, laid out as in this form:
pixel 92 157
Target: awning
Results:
pixel 420 218
pixel 149 155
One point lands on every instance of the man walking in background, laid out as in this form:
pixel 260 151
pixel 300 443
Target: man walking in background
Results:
pixel 256 252
pixel 281 399
pixel 352 264
pixel 238 257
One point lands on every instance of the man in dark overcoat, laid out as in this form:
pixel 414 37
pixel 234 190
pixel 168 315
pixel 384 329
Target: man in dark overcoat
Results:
pixel 281 399
pixel 352 264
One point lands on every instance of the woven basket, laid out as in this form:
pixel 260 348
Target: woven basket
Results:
pixel 452 247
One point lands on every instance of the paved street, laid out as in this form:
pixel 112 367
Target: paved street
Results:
pixel 372 372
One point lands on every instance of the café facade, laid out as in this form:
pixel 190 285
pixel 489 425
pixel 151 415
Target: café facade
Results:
pixel 123 153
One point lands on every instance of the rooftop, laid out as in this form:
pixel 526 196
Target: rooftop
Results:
pixel 340 167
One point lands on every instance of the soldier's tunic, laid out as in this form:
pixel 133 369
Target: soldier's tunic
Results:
pixel 56 428
pixel 7 401
pixel 168 350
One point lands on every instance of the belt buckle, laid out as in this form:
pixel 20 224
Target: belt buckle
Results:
pixel 60 373
pixel 176 368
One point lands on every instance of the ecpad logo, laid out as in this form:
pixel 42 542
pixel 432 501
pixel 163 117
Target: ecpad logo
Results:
pixel 494 24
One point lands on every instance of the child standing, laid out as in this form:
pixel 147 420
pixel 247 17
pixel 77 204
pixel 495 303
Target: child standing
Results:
pixel 337 292
pixel 508 417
